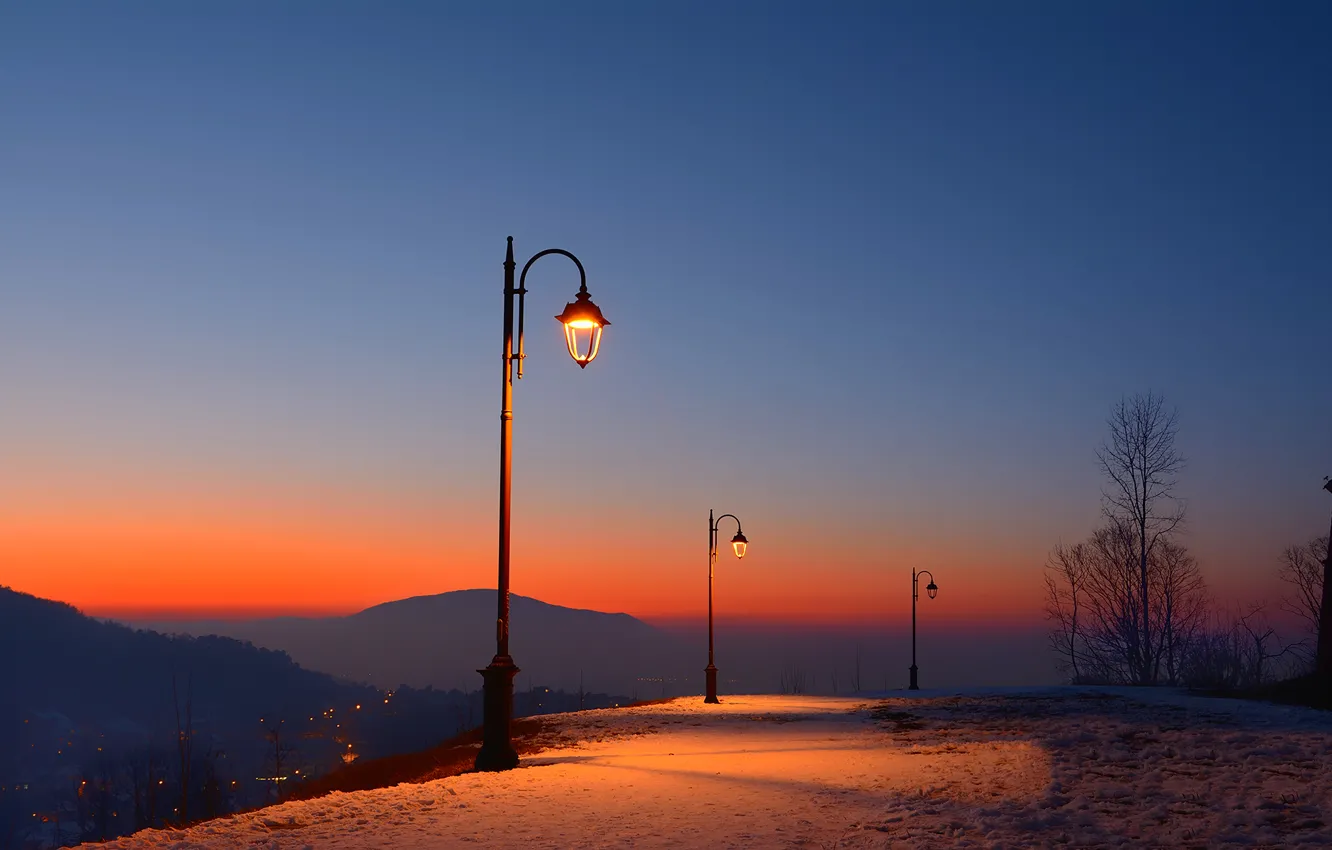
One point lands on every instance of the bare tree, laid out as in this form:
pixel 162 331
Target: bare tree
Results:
pixel 1237 650
pixel 280 754
pixel 792 679
pixel 1094 601
pixel 212 787
pixel 1264 644
pixel 1324 652
pixel 1216 659
pixel 1302 568
pixel 1182 610
pixel 1141 466
pixel 1112 637
pixel 184 742
pixel 148 779
pixel 1065 585
pixel 96 794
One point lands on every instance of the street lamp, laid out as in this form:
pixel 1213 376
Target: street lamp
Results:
pixel 933 590
pixel 739 543
pixel 583 323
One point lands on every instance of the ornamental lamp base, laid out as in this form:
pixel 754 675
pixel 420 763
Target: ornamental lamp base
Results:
pixel 497 752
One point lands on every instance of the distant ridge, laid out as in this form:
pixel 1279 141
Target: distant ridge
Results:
pixel 479 595
pixel 440 641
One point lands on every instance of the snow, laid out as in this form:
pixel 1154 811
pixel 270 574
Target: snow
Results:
pixel 1033 768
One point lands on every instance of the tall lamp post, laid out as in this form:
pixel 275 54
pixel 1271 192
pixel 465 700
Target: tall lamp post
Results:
pixel 933 590
pixel 739 544
pixel 582 322
pixel 1324 660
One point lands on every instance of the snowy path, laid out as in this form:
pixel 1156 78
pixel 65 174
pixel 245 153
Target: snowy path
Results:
pixel 1054 768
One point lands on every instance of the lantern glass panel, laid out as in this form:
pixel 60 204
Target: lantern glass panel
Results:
pixel 740 544
pixel 583 337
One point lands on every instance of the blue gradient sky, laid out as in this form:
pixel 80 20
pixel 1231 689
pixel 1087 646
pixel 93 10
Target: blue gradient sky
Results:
pixel 876 274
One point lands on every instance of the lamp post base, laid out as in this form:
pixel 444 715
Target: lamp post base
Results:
pixel 497 752
pixel 913 686
pixel 711 670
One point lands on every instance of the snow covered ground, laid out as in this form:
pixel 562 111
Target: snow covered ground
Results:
pixel 1043 768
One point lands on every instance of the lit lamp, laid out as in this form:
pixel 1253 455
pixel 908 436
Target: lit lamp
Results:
pixel 932 590
pixel 739 543
pixel 583 323
pixel 582 328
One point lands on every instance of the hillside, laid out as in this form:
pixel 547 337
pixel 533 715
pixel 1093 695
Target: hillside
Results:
pixel 87 704
pixel 90 670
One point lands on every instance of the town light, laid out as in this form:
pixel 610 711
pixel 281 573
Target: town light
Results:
pixel 932 589
pixel 582 322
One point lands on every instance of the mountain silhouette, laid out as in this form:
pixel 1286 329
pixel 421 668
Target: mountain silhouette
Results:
pixel 441 641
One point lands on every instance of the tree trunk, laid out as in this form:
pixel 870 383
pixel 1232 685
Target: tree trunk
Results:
pixel 1325 614
pixel 1146 677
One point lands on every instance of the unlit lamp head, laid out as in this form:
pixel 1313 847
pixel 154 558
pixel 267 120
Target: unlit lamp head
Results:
pixel 740 544
pixel 932 589
pixel 582 322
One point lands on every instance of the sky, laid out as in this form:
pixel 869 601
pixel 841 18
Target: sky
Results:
pixel 876 274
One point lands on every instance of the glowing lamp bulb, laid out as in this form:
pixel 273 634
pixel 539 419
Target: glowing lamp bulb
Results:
pixel 740 544
pixel 583 323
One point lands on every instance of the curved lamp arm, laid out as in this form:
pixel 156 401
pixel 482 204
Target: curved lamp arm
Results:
pixel 522 291
pixel 915 581
pixel 739 532
pixel 717 523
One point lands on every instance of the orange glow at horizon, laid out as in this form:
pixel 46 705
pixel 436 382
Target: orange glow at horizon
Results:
pixel 220 564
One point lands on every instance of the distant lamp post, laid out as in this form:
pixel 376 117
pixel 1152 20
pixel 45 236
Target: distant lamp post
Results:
pixel 583 323
pixel 1324 660
pixel 932 590
pixel 739 543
